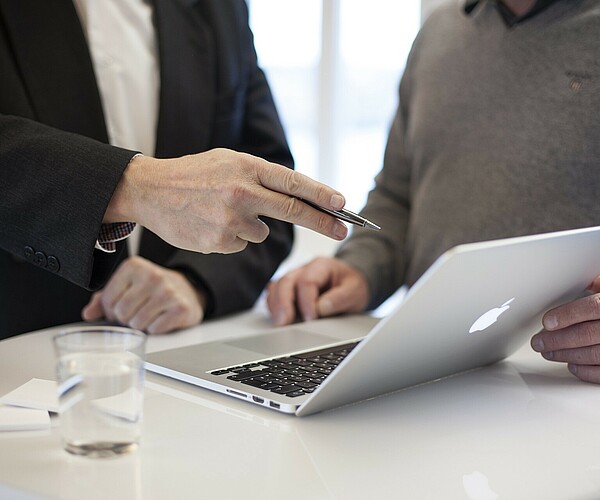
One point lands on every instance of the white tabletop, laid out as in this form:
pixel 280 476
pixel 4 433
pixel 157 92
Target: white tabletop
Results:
pixel 521 429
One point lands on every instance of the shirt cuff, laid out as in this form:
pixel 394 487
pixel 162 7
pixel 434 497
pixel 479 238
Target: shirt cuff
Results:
pixel 115 231
pixel 111 233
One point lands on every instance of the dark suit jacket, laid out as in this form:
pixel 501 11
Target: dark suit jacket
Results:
pixel 57 173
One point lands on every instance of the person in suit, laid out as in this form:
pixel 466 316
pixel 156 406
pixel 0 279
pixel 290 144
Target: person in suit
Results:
pixel 86 86
pixel 496 135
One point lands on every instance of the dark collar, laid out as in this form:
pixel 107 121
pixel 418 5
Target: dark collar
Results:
pixel 508 16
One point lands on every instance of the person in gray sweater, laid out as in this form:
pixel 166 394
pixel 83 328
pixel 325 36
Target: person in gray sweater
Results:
pixel 497 134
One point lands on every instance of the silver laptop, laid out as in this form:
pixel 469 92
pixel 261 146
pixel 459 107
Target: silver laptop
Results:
pixel 475 305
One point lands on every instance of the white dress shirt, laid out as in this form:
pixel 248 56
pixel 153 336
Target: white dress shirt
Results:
pixel 123 47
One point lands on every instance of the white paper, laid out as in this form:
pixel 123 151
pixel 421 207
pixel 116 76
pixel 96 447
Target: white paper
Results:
pixel 38 394
pixel 13 418
pixel 126 405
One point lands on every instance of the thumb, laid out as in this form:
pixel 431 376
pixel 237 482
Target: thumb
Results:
pixel 93 310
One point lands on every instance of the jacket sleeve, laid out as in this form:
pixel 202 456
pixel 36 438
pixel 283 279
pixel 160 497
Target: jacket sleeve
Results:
pixel 54 189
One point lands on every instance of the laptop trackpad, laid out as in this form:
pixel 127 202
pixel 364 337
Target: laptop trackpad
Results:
pixel 274 344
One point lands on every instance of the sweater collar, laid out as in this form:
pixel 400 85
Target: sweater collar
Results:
pixel 508 16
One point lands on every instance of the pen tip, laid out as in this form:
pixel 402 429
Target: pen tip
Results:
pixel 370 225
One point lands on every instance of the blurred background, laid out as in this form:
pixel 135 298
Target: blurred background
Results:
pixel 334 67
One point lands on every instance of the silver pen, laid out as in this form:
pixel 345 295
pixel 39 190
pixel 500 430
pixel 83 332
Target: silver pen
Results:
pixel 346 216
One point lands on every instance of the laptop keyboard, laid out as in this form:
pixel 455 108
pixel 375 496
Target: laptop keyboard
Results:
pixel 291 376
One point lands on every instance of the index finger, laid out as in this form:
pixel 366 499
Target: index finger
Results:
pixel 578 311
pixel 286 181
pixel 290 209
pixel 581 335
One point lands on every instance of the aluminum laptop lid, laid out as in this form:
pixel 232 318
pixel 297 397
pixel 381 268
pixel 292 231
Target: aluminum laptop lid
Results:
pixel 477 304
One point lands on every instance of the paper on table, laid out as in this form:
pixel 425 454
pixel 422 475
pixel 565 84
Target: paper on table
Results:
pixel 38 393
pixel 126 405
pixel 13 418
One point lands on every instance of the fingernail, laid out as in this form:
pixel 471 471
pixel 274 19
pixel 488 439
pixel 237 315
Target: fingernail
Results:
pixel 340 230
pixel 280 318
pixel 537 344
pixel 550 322
pixel 548 355
pixel 573 369
pixel 325 307
pixel 337 201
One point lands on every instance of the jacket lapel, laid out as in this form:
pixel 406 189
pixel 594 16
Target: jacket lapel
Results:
pixel 187 74
pixel 55 64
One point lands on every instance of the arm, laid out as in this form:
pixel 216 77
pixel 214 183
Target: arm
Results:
pixel 381 256
pixel 58 188
pixel 370 265
pixel 52 180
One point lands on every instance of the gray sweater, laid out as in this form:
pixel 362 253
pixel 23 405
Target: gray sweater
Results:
pixel 497 134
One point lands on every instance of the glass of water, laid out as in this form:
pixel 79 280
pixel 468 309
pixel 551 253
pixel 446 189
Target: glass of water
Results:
pixel 100 376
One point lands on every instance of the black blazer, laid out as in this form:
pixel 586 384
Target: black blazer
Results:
pixel 57 173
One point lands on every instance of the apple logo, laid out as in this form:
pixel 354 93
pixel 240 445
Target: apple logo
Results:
pixel 489 318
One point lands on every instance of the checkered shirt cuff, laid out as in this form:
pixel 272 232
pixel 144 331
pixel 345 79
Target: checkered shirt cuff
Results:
pixel 111 233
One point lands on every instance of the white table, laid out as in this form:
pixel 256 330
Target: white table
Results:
pixel 521 429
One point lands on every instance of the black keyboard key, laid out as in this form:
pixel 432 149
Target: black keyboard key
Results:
pixel 285 389
pixel 220 372
pixel 244 375
pixel 306 385
pixel 293 372
pixel 240 369
pixel 325 371
pixel 303 363
pixel 294 394
pixel 252 382
pixel 309 369
pixel 269 386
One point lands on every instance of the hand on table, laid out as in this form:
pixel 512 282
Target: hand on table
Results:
pixel 323 287
pixel 148 297
pixel 212 201
pixel 572 335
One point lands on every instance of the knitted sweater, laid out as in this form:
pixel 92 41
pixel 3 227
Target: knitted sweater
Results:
pixel 497 134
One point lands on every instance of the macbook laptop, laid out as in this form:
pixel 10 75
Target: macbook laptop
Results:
pixel 477 304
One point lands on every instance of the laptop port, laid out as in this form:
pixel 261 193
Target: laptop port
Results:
pixel 236 393
pixel 258 400
pixel 274 405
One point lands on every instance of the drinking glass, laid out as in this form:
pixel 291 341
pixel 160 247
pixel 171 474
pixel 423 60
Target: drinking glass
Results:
pixel 100 376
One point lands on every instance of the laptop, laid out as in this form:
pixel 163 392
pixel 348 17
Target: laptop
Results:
pixel 476 304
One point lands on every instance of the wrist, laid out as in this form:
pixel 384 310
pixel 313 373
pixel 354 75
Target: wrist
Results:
pixel 128 197
pixel 203 293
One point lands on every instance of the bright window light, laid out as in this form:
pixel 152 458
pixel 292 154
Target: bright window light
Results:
pixel 334 67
